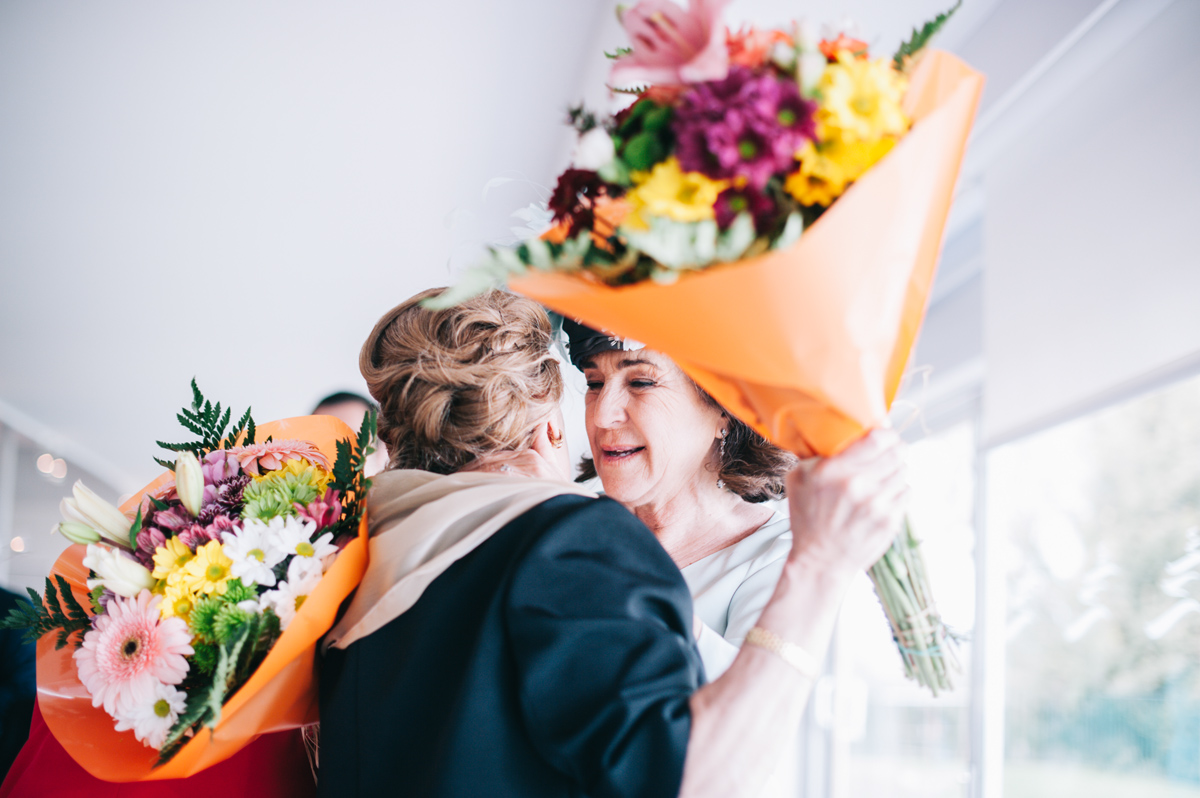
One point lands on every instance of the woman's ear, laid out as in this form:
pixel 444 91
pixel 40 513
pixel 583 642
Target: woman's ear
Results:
pixel 722 429
pixel 550 442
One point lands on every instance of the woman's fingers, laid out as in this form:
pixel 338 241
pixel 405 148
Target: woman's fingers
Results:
pixel 541 443
pixel 847 509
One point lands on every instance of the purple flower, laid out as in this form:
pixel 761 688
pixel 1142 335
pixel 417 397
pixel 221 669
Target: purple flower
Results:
pixel 195 536
pixel 221 524
pixel 746 126
pixel 224 498
pixel 149 538
pixel 170 520
pixel 219 466
pixel 733 201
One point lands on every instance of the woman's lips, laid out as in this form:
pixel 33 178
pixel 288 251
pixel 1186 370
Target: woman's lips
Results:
pixel 618 454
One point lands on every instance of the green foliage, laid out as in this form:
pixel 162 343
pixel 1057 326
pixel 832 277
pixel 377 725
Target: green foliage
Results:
pixel 94 598
pixel 38 618
pixel 644 138
pixel 205 656
pixel 921 36
pixel 349 479
pixel 617 53
pixel 197 711
pixel 248 637
pixel 643 151
pixel 207 421
pixel 580 118
pixel 237 591
pixel 616 171
pixel 135 528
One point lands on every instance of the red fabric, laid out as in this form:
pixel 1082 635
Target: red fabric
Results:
pixel 273 765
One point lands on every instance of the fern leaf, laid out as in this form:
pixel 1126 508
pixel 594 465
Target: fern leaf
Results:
pixel 196 712
pixel 920 37
pixel 197 397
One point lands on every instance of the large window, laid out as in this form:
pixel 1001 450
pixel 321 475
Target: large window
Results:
pixel 1101 523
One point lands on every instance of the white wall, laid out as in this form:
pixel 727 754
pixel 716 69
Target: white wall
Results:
pixel 1092 265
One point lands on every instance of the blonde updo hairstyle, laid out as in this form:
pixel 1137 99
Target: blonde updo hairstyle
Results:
pixel 459 383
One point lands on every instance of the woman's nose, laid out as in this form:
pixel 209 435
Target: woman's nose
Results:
pixel 609 408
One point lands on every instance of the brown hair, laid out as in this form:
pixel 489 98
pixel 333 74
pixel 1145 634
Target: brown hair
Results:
pixel 752 467
pixel 459 383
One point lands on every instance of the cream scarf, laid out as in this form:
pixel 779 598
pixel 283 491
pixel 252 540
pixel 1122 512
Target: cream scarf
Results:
pixel 419 524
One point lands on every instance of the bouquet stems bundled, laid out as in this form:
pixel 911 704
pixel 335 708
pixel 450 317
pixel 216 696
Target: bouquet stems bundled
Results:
pixel 902 584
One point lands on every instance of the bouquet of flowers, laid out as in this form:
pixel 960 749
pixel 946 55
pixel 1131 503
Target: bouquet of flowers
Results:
pixel 735 143
pixel 240 553
pixel 768 211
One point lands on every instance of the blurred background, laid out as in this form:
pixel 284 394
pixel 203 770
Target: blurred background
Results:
pixel 236 192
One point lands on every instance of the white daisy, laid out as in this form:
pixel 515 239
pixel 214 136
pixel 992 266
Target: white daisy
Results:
pixel 293 538
pixel 254 558
pixel 304 573
pixel 151 715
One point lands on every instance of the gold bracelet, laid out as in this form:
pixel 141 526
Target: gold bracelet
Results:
pixel 790 653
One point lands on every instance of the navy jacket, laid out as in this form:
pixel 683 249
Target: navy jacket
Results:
pixel 556 659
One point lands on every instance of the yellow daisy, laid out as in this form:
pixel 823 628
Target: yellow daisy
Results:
pixel 169 560
pixel 827 170
pixel 862 99
pixel 177 601
pixel 669 191
pixel 207 572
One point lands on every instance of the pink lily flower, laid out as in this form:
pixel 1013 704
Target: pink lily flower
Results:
pixel 323 511
pixel 673 45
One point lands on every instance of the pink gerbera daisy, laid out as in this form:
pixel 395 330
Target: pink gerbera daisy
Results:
pixel 259 457
pixel 130 649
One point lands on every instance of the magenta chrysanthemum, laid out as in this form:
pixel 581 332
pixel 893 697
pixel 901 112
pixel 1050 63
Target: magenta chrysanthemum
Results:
pixel 733 201
pixel 130 649
pixel 259 457
pixel 746 126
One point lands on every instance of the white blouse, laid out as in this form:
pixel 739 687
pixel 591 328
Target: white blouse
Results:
pixel 729 589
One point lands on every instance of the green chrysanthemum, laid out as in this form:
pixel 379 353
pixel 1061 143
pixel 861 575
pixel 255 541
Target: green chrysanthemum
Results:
pixel 274 493
pixel 236 592
pixel 230 619
pixel 204 617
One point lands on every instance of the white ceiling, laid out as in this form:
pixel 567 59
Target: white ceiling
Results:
pixel 236 191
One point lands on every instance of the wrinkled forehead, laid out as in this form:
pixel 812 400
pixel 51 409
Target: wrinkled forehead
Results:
pixel 615 360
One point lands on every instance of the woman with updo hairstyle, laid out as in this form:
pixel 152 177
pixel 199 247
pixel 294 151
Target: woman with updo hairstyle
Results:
pixel 455 386
pixel 514 635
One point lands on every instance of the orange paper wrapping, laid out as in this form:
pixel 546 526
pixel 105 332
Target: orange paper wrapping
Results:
pixel 281 694
pixel 808 344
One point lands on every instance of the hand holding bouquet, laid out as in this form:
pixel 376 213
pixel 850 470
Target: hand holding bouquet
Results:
pixel 238 555
pixel 768 212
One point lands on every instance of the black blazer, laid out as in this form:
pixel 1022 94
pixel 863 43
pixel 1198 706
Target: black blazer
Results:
pixel 556 659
